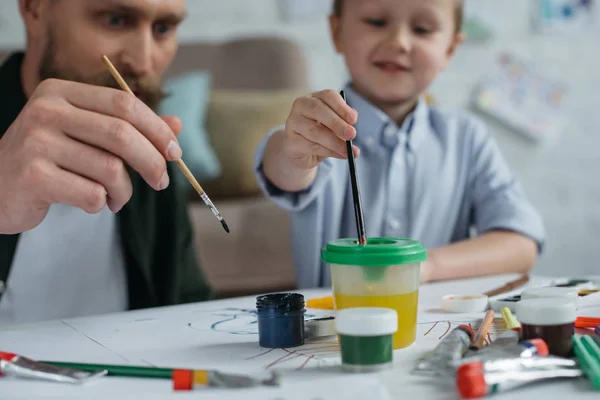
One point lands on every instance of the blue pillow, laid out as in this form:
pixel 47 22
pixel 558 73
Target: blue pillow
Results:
pixel 188 97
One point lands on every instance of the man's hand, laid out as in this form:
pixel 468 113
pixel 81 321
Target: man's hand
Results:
pixel 71 144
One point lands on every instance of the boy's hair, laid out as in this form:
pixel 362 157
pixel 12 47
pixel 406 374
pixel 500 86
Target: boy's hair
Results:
pixel 458 15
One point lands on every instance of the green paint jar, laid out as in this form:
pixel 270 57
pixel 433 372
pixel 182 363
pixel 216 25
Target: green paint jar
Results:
pixel 366 337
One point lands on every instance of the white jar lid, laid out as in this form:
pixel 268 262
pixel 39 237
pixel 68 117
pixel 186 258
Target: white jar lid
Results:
pixel 548 311
pixel 366 321
pixel 542 292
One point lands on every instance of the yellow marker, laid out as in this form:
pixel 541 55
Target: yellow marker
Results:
pixel 321 303
pixel 509 319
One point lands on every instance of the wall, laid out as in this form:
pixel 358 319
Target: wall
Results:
pixel 560 178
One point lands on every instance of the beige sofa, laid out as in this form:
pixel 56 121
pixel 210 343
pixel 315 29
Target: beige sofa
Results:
pixel 254 83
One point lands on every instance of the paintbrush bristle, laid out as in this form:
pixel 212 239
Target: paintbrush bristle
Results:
pixel 225 225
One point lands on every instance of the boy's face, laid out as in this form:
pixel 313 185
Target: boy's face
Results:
pixel 395 48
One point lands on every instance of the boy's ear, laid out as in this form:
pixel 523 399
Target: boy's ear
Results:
pixel 459 38
pixel 334 26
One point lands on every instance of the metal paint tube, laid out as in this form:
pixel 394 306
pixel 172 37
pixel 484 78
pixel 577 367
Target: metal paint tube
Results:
pixel 508 350
pixel 524 363
pixel 13 365
pixel 187 380
pixel 447 354
pixel 478 379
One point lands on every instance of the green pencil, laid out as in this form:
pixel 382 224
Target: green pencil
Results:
pixel 119 370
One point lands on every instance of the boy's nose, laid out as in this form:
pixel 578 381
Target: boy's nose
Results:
pixel 400 38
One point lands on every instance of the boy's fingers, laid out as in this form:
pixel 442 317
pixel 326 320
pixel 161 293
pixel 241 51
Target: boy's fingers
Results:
pixel 320 134
pixel 335 101
pixel 307 148
pixel 318 110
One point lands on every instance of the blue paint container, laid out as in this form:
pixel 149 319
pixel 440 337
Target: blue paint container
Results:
pixel 280 320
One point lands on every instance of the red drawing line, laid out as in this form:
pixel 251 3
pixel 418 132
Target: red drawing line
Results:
pixel 306 362
pixel 280 359
pixel 261 354
pixel 430 329
pixel 447 330
pixel 489 338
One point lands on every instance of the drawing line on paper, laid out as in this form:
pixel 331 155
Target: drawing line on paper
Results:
pixel 93 340
pixel 235 321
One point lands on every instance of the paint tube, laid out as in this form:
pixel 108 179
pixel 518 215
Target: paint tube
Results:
pixel 504 339
pixel 446 355
pixel 524 363
pixel 478 379
pixel 187 380
pixel 13 365
pixel 506 350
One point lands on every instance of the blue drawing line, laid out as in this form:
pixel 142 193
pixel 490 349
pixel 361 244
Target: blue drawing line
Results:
pixel 240 312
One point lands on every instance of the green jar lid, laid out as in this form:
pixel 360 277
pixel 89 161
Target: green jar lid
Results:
pixel 378 252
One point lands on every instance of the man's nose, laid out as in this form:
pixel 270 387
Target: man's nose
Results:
pixel 137 55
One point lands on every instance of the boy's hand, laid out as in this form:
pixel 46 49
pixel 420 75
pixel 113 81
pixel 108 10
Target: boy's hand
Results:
pixel 317 128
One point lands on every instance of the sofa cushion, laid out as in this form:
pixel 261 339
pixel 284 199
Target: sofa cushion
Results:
pixel 188 100
pixel 236 122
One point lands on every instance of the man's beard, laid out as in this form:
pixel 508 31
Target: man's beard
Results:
pixel 147 90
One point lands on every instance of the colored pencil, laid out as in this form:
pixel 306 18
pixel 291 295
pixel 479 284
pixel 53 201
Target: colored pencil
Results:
pixel 483 329
pixel 508 286
pixel 118 370
pixel 184 169
pixel 358 212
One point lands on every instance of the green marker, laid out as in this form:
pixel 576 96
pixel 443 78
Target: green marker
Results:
pixel 588 363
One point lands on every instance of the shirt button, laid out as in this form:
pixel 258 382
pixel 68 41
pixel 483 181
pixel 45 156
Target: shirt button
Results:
pixel 390 131
pixel 394 224
pixel 369 141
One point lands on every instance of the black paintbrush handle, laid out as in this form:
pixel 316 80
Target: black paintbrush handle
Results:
pixel 358 213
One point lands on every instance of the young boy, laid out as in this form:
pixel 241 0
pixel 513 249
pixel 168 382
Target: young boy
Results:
pixel 424 174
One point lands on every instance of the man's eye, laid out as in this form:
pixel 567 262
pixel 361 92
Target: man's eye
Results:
pixel 162 29
pixel 378 23
pixel 115 21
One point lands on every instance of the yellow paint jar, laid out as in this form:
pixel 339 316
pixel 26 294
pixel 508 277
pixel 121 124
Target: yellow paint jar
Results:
pixel 385 272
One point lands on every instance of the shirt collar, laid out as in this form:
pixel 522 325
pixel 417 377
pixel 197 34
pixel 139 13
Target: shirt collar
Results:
pixel 375 127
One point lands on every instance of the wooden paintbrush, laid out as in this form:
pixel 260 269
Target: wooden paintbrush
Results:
pixel 184 169
pixel 358 213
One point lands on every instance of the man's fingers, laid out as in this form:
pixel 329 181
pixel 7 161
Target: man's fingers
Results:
pixel 119 104
pixel 121 139
pixel 68 188
pixel 97 165
pixel 320 134
pixel 174 123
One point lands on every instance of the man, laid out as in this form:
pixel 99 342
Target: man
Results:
pixel 88 221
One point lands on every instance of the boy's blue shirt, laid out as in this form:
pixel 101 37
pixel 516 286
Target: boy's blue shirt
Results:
pixel 432 179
